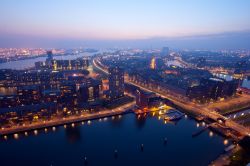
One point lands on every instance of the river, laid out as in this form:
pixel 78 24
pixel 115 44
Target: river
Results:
pixel 98 141
pixel 28 63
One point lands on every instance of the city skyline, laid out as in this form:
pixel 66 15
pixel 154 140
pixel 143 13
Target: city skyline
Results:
pixel 123 23
pixel 106 107
pixel 125 82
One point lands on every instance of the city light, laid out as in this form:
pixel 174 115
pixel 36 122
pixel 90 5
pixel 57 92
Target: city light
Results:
pixel 211 134
pixel 141 76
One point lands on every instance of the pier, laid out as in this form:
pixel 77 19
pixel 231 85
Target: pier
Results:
pixel 195 134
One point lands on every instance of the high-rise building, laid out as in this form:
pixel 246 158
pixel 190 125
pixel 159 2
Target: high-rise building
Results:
pixel 77 64
pixel 49 59
pixel 153 63
pixel 50 55
pixel 50 63
pixel 68 92
pixel 165 51
pixel 116 83
pixel 89 91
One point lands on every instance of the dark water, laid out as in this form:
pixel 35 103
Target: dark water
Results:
pixel 98 141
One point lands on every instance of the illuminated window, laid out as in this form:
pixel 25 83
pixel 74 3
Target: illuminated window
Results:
pixel 91 93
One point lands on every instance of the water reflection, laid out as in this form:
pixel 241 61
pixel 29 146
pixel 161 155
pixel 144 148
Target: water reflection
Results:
pixel 73 134
pixel 99 140
pixel 35 132
pixel 16 136
pixel 211 134
pixel 140 121
pixel 116 121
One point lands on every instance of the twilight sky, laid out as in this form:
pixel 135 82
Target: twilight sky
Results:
pixel 79 22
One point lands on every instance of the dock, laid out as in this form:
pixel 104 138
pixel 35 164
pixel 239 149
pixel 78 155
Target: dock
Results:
pixel 195 134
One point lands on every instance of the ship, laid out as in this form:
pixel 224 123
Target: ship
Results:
pixel 173 115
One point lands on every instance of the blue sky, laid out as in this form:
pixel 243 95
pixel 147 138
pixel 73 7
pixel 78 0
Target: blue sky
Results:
pixel 121 19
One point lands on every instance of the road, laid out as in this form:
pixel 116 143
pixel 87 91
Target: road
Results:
pixel 56 121
pixel 188 106
pixel 66 120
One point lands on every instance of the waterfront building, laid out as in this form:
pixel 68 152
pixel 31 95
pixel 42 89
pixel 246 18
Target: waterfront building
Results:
pixel 143 98
pixel 212 89
pixel 116 83
pixel 28 94
pixel 40 65
pixel 50 63
pixel 49 59
pixel 77 64
pixel 89 91
pixel 68 93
